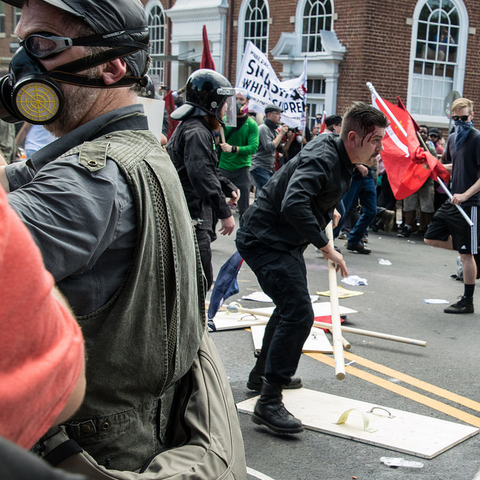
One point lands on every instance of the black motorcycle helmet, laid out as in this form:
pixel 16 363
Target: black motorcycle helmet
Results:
pixel 207 90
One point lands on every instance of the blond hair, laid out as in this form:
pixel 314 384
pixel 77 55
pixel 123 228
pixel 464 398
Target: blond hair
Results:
pixel 460 103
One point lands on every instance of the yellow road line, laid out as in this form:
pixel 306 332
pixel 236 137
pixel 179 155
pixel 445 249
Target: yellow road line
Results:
pixel 440 392
pixel 405 392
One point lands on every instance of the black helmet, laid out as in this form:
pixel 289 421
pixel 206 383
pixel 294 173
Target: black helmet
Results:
pixel 208 90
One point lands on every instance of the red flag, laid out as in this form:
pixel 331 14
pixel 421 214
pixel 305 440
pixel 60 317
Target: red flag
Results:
pixel 402 106
pixel 169 108
pixel 207 60
pixel 408 166
pixel 323 125
pixel 424 156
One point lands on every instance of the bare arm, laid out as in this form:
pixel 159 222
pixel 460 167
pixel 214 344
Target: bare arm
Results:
pixel 227 225
pixel 22 134
pixel 337 258
pixel 283 130
pixel 459 198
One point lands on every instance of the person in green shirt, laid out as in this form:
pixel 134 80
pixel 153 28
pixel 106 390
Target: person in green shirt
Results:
pixel 241 142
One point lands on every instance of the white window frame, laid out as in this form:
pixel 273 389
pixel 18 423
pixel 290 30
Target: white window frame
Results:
pixel 3 25
pixel 157 45
pixel 241 29
pixel 316 99
pixel 438 119
pixel 300 23
pixel 16 13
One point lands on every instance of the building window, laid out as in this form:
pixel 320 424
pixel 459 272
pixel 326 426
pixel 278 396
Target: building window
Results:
pixel 316 88
pixel 436 55
pixel 156 25
pixel 317 15
pixel 17 12
pixel 255 26
pixel 2 18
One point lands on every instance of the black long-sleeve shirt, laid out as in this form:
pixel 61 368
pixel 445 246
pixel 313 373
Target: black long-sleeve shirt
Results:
pixel 192 150
pixel 297 203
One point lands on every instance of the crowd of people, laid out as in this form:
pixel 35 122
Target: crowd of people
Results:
pixel 122 226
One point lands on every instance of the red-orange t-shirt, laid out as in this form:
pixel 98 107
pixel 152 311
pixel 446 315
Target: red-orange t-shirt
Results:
pixel 41 346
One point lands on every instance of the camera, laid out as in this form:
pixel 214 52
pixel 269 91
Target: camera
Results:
pixel 293 129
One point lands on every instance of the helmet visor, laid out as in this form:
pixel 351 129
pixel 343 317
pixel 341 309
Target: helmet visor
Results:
pixel 229 111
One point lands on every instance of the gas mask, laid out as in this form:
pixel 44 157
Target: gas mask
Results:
pixel 28 93
pixel 239 108
pixel 31 93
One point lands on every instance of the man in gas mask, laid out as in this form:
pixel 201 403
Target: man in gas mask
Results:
pixel 104 204
pixel 241 142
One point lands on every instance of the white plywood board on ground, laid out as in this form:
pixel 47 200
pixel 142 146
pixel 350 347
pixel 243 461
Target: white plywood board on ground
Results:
pixel 401 431
pixel 229 321
pixel 317 341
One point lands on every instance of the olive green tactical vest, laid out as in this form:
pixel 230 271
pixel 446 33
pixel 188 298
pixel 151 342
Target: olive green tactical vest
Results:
pixel 146 337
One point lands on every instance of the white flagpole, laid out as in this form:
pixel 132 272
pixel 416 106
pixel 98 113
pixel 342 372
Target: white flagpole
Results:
pixel 439 180
pixel 305 123
pixel 384 105
pixel 460 209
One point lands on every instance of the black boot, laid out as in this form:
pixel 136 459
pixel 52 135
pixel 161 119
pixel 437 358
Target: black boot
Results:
pixel 255 379
pixel 464 305
pixel 271 412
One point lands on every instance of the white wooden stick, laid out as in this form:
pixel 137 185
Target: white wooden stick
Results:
pixel 335 312
pixel 237 308
pixel 368 333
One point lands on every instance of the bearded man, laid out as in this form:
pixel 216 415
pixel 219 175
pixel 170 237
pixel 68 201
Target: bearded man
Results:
pixel 106 208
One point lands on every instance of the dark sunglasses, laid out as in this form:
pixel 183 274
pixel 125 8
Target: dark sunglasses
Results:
pixel 463 118
pixel 433 135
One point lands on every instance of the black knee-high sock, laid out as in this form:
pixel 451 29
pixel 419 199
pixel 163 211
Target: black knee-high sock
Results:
pixel 469 289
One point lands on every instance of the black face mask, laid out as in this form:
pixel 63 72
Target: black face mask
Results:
pixel 31 93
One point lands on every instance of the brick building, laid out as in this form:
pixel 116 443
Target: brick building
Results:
pixel 420 50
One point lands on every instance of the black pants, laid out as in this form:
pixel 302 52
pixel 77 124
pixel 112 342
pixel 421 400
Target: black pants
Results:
pixel 204 240
pixel 241 179
pixel 285 282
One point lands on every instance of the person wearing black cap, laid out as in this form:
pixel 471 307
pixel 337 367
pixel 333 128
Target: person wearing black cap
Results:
pixel 434 136
pixel 106 208
pixel 270 139
pixel 333 123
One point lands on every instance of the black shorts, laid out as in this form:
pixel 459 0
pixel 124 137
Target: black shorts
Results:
pixel 449 221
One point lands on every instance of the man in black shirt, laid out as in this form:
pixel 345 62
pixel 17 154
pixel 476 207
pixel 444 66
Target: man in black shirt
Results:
pixel 291 212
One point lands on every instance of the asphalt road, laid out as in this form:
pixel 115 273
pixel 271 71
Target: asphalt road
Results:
pixel 393 303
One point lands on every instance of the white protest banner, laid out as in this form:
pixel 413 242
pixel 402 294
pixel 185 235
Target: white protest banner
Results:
pixel 258 78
